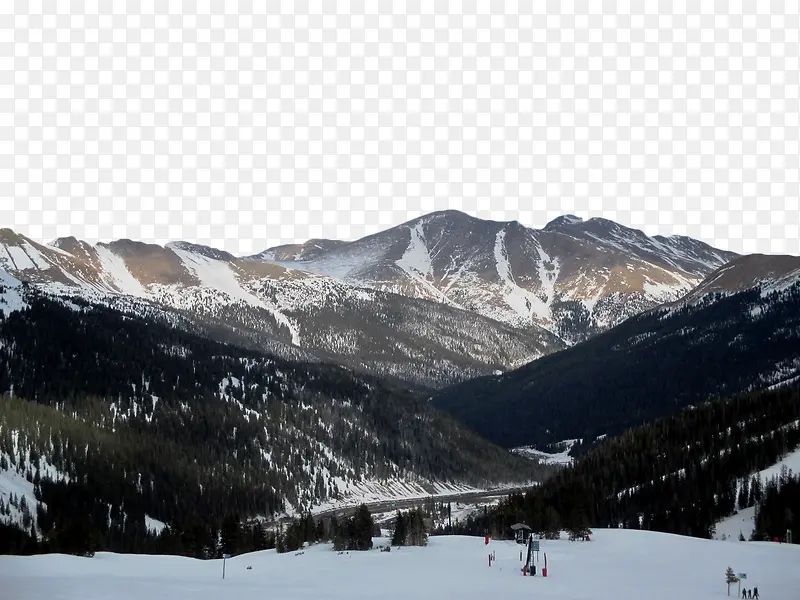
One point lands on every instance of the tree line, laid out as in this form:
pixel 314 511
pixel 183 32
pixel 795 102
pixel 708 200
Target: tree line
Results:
pixel 645 368
pixel 778 512
pixel 680 474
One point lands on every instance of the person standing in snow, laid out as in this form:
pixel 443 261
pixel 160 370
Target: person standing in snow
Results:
pixel 744 594
pixel 755 593
pixel 750 594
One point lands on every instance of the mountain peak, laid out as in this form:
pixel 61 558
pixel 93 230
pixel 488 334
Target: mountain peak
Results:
pixel 201 250
pixel 9 236
pixel 70 244
pixel 450 215
pixel 563 221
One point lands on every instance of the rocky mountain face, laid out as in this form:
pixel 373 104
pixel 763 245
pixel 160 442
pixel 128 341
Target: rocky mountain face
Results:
pixel 739 331
pixel 432 302
pixel 298 314
pixel 573 278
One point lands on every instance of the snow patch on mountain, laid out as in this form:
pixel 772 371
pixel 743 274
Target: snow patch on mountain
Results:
pixel 547 458
pixel 217 275
pixel 780 284
pixel 522 302
pixel 661 292
pixel 20 259
pixel 11 299
pixel 547 280
pixel 416 262
pixel 116 272
pixel 14 485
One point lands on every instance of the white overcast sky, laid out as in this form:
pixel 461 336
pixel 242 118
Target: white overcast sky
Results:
pixel 248 124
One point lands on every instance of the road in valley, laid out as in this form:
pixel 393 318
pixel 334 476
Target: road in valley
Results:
pixel 384 506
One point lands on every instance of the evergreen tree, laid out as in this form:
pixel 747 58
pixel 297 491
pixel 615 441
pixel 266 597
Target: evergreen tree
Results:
pixel 399 533
pixel 744 494
pixel 730 577
pixel 259 537
pixel 417 534
pixel 363 526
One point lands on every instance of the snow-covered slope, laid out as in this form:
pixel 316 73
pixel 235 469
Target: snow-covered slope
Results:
pixel 572 277
pixel 768 273
pixel 11 294
pixel 744 521
pixel 549 458
pixel 615 565
pixel 297 313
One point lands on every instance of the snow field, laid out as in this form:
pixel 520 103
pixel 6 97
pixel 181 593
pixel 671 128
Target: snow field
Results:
pixel 11 300
pixel 117 272
pixel 560 458
pixel 616 564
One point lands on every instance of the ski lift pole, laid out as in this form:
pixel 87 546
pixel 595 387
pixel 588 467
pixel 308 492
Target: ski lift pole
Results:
pixel 224 558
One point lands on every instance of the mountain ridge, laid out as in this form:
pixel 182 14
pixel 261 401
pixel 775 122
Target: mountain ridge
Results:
pixel 573 277
pixel 371 329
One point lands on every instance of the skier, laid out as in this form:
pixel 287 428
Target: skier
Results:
pixel 755 593
pixel 744 594
pixel 749 594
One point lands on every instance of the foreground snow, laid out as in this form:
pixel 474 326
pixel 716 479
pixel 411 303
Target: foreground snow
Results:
pixel 617 565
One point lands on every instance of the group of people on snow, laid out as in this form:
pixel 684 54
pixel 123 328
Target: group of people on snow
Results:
pixel 750 594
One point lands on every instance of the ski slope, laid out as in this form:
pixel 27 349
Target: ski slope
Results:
pixel 616 564
pixel 744 521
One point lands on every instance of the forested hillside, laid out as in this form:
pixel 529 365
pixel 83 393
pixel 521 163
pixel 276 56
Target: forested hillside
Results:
pixel 779 508
pixel 680 474
pixel 114 418
pixel 647 367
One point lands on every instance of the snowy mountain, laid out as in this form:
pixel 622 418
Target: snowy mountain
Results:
pixel 677 355
pixel 295 313
pixel 572 277
pixel 434 301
